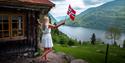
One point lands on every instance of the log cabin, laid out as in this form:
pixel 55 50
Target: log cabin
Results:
pixel 18 24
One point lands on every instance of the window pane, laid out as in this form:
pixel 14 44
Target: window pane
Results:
pixel 0 34
pixel 0 26
pixel 5 23
pixel 20 32
pixel 14 25
pixel 0 19
pixel 14 33
pixel 0 22
pixel 14 19
pixel 5 26
pixel 20 22
pixel 5 19
pixel 6 33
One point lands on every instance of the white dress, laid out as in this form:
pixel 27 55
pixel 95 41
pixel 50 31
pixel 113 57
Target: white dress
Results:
pixel 46 38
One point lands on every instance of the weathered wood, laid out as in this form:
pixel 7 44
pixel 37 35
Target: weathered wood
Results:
pixel 30 11
pixel 12 38
pixel 25 5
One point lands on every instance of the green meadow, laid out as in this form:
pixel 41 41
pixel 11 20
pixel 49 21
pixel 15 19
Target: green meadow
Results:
pixel 86 51
pixel 94 53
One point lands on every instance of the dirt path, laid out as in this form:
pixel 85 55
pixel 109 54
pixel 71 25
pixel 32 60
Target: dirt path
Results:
pixel 53 58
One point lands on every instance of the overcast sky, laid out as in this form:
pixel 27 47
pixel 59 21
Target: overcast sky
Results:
pixel 79 5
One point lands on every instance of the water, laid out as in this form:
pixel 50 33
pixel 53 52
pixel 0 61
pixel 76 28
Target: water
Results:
pixel 84 34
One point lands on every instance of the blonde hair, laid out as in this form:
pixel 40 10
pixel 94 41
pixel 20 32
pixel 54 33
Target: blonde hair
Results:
pixel 45 17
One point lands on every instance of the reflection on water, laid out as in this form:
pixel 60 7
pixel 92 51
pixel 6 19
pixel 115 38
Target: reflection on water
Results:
pixel 84 34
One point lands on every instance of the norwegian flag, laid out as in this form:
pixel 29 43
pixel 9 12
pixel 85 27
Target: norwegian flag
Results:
pixel 71 12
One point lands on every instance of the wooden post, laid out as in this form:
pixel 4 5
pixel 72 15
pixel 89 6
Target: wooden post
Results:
pixel 106 56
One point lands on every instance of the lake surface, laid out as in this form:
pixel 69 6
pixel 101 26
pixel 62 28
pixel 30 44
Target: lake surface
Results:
pixel 84 34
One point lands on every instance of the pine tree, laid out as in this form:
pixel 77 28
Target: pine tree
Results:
pixel 93 39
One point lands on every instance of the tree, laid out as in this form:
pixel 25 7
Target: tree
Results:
pixel 124 44
pixel 93 39
pixel 113 33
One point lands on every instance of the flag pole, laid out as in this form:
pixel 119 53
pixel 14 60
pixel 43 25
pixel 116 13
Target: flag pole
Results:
pixel 65 17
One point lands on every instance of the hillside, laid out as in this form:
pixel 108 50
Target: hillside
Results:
pixel 107 15
pixel 53 20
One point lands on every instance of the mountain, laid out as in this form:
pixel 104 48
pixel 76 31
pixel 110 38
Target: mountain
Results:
pixel 52 18
pixel 111 14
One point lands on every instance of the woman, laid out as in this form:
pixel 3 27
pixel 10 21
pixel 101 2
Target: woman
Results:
pixel 47 43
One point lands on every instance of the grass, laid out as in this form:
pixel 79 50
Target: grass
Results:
pixel 94 53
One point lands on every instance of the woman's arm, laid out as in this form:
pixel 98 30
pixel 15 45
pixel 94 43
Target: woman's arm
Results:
pixel 52 26
pixel 56 26
pixel 62 23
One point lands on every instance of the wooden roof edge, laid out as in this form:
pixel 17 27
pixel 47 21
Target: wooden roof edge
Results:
pixel 16 4
pixel 29 3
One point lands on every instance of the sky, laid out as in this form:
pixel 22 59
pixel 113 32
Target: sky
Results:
pixel 60 10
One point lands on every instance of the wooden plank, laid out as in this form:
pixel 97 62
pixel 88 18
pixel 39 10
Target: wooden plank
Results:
pixel 12 38
pixel 2 27
pixel 23 24
pixel 9 26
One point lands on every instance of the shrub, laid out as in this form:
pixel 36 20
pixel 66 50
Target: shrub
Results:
pixel 63 40
pixel 71 42
pixel 56 39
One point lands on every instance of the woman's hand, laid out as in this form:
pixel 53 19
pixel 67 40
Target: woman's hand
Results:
pixel 62 23
pixel 38 21
pixel 56 26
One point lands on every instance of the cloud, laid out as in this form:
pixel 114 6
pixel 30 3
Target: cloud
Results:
pixel 60 9
pixel 76 3
pixel 79 5
pixel 94 2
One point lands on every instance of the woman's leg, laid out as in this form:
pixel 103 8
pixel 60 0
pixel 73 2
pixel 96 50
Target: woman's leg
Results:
pixel 43 55
pixel 46 51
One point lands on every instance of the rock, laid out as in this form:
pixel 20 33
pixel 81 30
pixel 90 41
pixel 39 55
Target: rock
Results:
pixel 55 58
pixel 68 58
pixel 61 54
pixel 58 57
pixel 64 56
pixel 25 54
pixel 78 61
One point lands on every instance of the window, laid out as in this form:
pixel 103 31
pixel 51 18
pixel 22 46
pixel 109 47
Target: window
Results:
pixel 0 26
pixel 5 26
pixel 11 26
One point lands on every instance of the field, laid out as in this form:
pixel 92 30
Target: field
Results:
pixel 94 53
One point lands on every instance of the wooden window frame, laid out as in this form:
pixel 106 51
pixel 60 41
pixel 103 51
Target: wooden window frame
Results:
pixel 10 37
